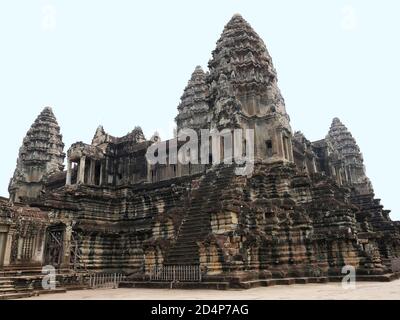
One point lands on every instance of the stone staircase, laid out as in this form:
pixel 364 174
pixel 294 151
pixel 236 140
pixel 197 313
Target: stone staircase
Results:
pixel 196 224
pixel 9 291
pixel 25 281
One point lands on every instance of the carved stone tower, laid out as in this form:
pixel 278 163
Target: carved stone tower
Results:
pixel 241 66
pixel 240 91
pixel 193 109
pixel 40 156
pixel 352 160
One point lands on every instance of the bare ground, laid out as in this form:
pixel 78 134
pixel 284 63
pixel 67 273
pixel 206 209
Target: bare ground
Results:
pixel 330 291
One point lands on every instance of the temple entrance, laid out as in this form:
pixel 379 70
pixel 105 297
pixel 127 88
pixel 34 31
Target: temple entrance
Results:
pixel 3 241
pixel 54 245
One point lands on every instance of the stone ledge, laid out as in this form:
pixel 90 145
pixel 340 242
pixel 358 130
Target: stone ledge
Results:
pixel 252 283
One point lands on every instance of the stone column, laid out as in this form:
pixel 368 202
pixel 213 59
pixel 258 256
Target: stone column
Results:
pixel 92 171
pixel 81 173
pixel 106 172
pixel 281 149
pixel 314 165
pixel 65 262
pixel 40 243
pixel 290 149
pixel 19 248
pixel 101 173
pixel 3 243
pixel 69 173
pixel 8 249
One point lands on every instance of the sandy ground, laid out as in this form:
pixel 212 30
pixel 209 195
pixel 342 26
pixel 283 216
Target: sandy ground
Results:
pixel 363 290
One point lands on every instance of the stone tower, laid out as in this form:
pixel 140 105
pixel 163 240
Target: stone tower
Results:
pixel 40 156
pixel 240 91
pixel 193 109
pixel 242 67
pixel 352 160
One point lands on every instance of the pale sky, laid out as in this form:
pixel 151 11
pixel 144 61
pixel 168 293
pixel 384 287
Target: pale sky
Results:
pixel 125 63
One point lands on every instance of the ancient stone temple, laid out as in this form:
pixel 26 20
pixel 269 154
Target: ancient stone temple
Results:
pixel 306 210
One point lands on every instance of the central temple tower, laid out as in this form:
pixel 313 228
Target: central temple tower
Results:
pixel 240 91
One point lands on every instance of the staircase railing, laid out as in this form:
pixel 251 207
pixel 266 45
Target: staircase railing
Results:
pixel 105 280
pixel 176 273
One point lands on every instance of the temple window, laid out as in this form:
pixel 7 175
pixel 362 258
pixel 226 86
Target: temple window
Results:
pixel 27 248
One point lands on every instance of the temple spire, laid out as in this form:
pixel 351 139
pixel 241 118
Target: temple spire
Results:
pixel 40 155
pixel 242 57
pixel 193 107
pixel 346 146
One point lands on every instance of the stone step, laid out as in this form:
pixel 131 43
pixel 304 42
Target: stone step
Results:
pixel 175 285
pixel 7 284
pixel 27 272
pixel 16 295
pixel 182 253
pixel 196 224
pixel 186 246
pixel 18 267
pixel 182 260
pixel 188 241
pixel 48 291
pixel 284 281
pixel 3 290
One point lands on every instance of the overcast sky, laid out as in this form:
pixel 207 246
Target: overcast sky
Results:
pixel 126 63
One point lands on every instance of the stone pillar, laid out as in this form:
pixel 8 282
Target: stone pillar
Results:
pixel 101 173
pixel 281 146
pixel 92 171
pixel 65 261
pixel 275 145
pixel 81 173
pixel 314 165
pixel 107 172
pixel 19 248
pixel 40 240
pixel 3 242
pixel 8 249
pixel 69 173
pixel 290 149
